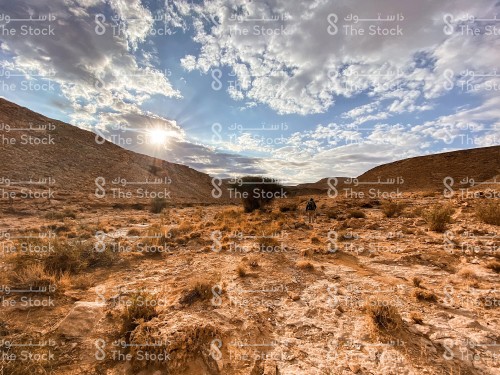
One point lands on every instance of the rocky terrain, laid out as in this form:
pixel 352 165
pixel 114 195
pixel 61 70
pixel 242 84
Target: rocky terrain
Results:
pixel 397 275
pixel 369 288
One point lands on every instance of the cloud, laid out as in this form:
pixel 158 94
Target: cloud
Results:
pixel 94 71
pixel 295 65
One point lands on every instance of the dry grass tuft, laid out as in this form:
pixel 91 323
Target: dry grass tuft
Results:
pixel 489 212
pixel 134 232
pixel 384 317
pixel 288 206
pixel 424 295
pixel 241 271
pixel 60 215
pixel 83 281
pixel 157 205
pixel 416 317
pixel 266 242
pixel 357 214
pixel 315 241
pixel 140 308
pixel 393 209
pixel 332 213
pixel 199 290
pixel 439 217
pixel 493 265
pixel 33 275
pixel 253 262
pixel 468 274
pixel 417 282
pixel 305 265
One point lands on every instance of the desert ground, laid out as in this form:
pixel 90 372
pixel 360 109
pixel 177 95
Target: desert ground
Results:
pixel 374 286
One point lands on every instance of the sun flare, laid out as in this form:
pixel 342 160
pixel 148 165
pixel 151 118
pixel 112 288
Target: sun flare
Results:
pixel 158 136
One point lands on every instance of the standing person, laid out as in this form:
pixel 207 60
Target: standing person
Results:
pixel 311 211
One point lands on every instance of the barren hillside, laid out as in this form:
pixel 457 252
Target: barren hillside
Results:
pixel 74 166
pixel 466 168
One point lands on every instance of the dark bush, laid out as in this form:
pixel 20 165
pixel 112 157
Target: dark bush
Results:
pixel 158 204
pixel 257 192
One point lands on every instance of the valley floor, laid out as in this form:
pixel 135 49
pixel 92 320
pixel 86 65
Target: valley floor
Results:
pixel 213 290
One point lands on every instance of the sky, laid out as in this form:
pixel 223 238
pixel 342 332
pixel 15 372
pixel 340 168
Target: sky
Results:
pixel 294 90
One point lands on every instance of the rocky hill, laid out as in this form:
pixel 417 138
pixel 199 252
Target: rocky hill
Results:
pixel 48 160
pixel 452 170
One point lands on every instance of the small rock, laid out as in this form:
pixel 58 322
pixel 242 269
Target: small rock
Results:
pixel 81 319
pixel 354 367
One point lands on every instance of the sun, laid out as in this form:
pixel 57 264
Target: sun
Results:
pixel 158 136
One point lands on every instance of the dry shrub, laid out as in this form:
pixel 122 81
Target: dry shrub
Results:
pixel 134 232
pixel 424 295
pixel 416 317
pixel 332 213
pixel 60 215
pixel 156 239
pixel 489 212
pixel 83 281
pixel 467 273
pixel 33 275
pixel 305 265
pixel 228 214
pixel 357 214
pixel 186 345
pixel 289 206
pixel 383 317
pixel 393 209
pixel 241 271
pixel 199 290
pixel 62 256
pixel 141 307
pixel 65 259
pixel 253 262
pixel 78 256
pixel 315 241
pixel 266 241
pixel 257 192
pixel 439 217
pixel 418 211
pixel 417 281
pixel 493 265
pixel 181 229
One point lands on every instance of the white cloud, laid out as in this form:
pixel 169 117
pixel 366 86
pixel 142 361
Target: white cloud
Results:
pixel 299 67
pixel 95 72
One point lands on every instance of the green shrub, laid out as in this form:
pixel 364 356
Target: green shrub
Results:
pixel 257 192
pixel 157 205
